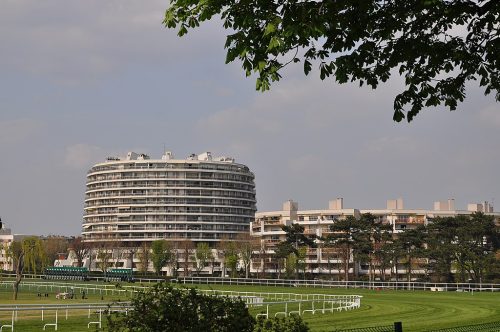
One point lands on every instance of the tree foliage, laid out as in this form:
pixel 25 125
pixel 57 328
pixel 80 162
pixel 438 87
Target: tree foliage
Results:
pixel 35 258
pixel 163 308
pixel 296 238
pixel 80 249
pixel 144 255
pixel 477 239
pixel 412 242
pixel 53 246
pixel 348 236
pixel 442 246
pixel 203 256
pixel 247 247
pixel 161 254
pixel 445 249
pixel 293 323
pixel 26 255
pixel 229 253
pixel 437 46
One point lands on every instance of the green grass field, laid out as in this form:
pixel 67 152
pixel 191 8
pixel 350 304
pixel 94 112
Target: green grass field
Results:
pixel 418 310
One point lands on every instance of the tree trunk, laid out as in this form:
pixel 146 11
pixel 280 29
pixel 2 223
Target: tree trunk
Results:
pixel 19 275
pixel 409 269
pixel 396 270
pixel 346 265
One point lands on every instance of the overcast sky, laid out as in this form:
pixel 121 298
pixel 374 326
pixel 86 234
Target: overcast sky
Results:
pixel 81 80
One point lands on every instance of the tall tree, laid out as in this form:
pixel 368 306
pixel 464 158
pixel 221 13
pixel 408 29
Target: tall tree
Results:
pixel 283 250
pixel 80 249
pixel 161 254
pixel 296 237
pixel 118 252
pixel 437 46
pixel 412 243
pixel 478 241
pixel 350 237
pixel 298 242
pixel 55 245
pixel 247 246
pixel 26 253
pixel 261 257
pixel 203 255
pixel 176 256
pixel 301 262
pixel 104 254
pixel 379 235
pixel 144 255
pixel 187 248
pixel 35 258
pixel 384 257
pixel 442 246
pixel 231 258
pixel 16 255
pixel 291 266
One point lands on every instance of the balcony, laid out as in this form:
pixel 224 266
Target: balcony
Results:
pixel 410 220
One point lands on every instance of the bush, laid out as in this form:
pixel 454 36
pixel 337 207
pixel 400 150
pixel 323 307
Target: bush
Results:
pixel 164 308
pixel 293 323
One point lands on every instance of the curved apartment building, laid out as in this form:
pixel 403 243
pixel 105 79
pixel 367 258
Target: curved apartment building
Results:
pixel 136 199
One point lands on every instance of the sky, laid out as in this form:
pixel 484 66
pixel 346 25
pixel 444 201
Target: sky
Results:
pixel 83 80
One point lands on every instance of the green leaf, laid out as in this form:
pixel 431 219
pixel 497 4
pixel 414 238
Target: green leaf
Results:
pixel 261 65
pixel 270 28
pixel 307 67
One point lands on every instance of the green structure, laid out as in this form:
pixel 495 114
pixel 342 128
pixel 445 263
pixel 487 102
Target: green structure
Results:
pixel 66 273
pixel 119 275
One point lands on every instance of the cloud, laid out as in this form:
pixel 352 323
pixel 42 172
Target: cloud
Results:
pixel 71 42
pixel 82 156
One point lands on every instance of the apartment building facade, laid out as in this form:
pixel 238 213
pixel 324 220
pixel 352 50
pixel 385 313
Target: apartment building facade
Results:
pixel 267 228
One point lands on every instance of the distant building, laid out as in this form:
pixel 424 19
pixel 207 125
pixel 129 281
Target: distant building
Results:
pixel 6 239
pixel 136 200
pixel 267 227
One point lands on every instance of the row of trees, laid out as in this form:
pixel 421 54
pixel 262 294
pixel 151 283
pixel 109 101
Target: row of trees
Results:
pixel 31 255
pixel 448 249
pixel 195 258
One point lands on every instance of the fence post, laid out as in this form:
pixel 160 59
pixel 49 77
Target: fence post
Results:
pixel 398 327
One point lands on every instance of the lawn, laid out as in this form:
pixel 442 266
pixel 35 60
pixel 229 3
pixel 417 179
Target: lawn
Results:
pixel 418 310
